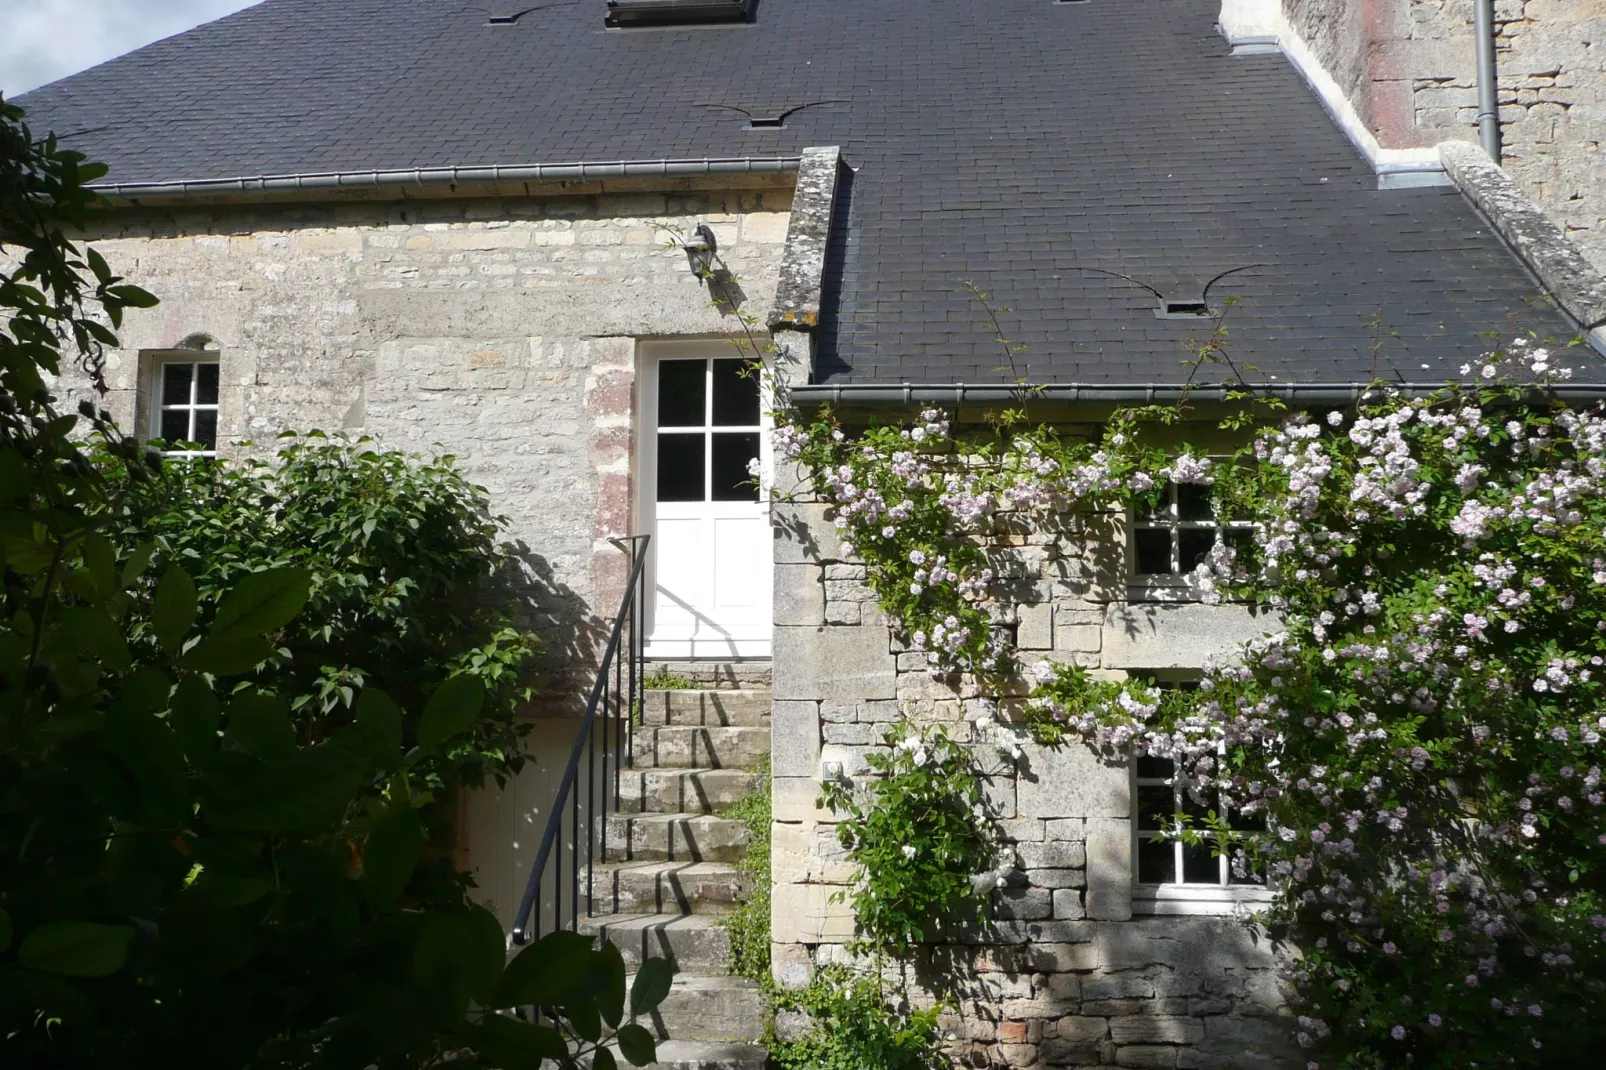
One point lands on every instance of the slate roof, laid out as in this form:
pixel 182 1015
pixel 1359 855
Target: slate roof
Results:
pixel 1072 159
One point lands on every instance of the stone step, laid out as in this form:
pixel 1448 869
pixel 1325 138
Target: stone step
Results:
pixel 709 1008
pixel 667 888
pixel 684 791
pixel 675 837
pixel 718 708
pixel 695 943
pixel 701 747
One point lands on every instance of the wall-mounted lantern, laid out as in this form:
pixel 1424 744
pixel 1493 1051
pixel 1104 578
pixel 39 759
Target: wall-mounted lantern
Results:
pixel 702 250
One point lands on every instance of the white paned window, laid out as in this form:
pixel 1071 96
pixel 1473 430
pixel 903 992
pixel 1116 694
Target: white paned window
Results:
pixel 1171 539
pixel 184 396
pixel 1175 877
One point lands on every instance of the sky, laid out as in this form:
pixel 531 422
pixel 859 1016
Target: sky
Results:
pixel 43 40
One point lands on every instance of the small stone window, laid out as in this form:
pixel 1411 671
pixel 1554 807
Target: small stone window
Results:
pixel 1169 540
pixel 184 403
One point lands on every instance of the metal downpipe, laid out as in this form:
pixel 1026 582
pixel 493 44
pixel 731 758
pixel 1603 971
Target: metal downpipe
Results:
pixel 1488 90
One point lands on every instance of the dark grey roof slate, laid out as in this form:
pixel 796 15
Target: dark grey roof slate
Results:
pixel 1067 158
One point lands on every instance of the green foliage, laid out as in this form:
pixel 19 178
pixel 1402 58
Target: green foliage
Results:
pixel 193 870
pixel 749 923
pixel 403 565
pixel 663 678
pixel 925 849
pixel 1413 763
pixel 855 1024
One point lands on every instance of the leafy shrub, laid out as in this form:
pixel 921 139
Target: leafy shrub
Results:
pixel 1423 742
pixel 193 870
pixel 404 566
pixel 855 1025
pixel 921 839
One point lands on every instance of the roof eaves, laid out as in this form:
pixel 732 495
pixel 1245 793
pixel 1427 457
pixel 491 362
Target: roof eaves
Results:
pixel 856 395
pixel 332 181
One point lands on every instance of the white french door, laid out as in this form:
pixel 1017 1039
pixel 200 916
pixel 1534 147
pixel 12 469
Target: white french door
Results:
pixel 704 440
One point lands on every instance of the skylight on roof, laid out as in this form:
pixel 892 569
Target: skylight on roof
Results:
pixel 677 12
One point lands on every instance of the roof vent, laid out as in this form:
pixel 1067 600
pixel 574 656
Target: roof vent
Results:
pixel 1182 310
pixel 677 12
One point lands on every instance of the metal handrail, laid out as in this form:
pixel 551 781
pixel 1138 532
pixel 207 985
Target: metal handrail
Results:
pixel 614 699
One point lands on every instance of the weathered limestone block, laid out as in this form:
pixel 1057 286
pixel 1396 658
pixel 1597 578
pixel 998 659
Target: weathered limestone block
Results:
pixel 799 595
pixel 840 665
pixel 1035 627
pixel 1144 635
pixel 1109 869
pixel 794 738
pixel 804 914
pixel 1071 782
pixel 803 534
pixel 1155 1029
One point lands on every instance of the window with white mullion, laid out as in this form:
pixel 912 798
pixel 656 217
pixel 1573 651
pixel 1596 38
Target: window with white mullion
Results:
pixel 186 396
pixel 709 430
pixel 1162 858
pixel 1171 539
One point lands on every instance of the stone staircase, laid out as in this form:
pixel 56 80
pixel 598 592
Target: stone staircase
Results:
pixel 672 870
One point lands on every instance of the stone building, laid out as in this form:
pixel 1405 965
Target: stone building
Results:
pixel 531 235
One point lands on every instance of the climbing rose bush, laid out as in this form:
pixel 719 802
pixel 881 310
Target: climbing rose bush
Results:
pixel 1421 742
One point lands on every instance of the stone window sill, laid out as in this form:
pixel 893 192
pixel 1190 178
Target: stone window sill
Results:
pixel 1237 901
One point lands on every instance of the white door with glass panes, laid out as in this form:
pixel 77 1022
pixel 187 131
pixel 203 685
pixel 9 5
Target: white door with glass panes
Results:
pixel 704 444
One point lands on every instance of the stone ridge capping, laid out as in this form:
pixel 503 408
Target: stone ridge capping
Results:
pixel 798 287
pixel 1574 282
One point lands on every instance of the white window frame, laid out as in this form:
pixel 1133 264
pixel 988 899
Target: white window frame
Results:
pixel 1176 584
pixel 158 365
pixel 1176 897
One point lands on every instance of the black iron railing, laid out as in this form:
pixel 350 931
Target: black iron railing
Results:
pixel 591 781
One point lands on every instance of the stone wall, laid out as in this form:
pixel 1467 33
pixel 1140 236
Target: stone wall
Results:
pixel 1410 69
pixel 1069 975
pixel 501 330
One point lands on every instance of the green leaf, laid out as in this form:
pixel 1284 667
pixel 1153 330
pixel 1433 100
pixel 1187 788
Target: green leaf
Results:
pixel 173 611
pixel 137 563
pixel 92 630
pixel 486 954
pixel 651 986
pixel 260 726
pixel 546 972
pixel 451 710
pixel 149 750
pixel 603 1060
pixel 133 296
pixel 76 948
pixel 608 983
pixel 5 930
pixel 462 952
pixel 228 655
pixel 262 602
pixel 379 717
pixel 514 1045
pixel 638 1045
pixel 390 855
pixel 195 717
pixel 581 1010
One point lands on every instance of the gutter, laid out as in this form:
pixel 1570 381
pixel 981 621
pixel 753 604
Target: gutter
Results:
pixel 856 395
pixel 418 177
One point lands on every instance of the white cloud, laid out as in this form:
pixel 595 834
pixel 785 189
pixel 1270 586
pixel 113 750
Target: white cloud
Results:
pixel 43 40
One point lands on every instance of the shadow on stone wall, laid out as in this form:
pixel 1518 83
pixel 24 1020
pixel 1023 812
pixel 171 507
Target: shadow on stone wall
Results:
pixel 572 635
